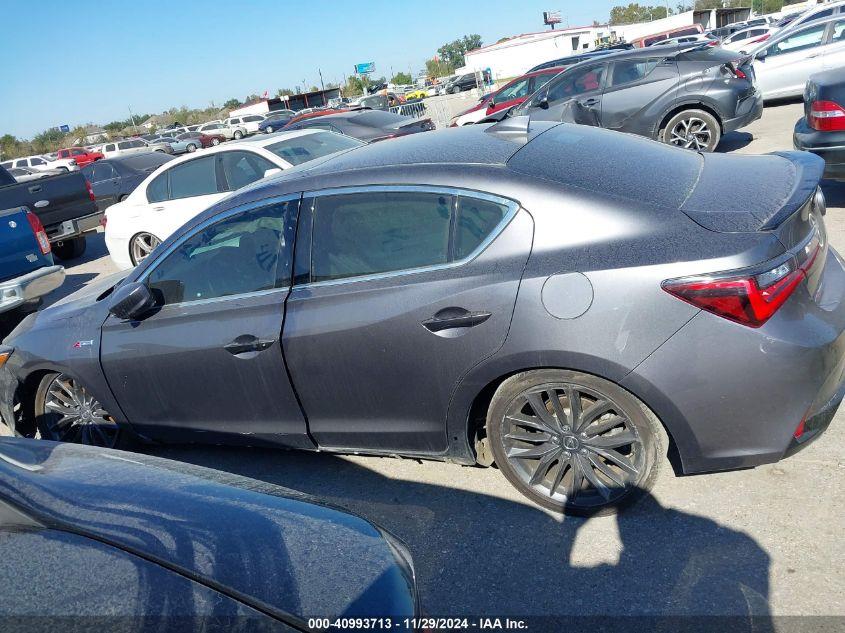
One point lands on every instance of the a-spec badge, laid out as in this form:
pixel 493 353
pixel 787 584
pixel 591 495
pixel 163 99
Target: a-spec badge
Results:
pixel 79 344
pixel 13 224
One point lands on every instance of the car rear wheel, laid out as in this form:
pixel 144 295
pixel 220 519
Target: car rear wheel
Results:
pixel 69 249
pixel 215 141
pixel 141 246
pixel 693 129
pixel 191 148
pixel 268 129
pixel 66 412
pixel 237 135
pixel 573 442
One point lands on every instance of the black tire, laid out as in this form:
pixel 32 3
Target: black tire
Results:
pixel 692 129
pixel 49 426
pixel 191 148
pixel 268 129
pixel 237 135
pixel 574 457
pixel 69 249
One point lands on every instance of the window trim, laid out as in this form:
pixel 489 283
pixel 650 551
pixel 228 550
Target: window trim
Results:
pixel 512 205
pixel 265 202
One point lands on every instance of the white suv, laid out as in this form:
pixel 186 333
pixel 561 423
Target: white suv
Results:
pixel 114 149
pixel 249 122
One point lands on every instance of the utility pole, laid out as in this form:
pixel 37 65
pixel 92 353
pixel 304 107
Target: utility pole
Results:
pixel 132 117
pixel 322 86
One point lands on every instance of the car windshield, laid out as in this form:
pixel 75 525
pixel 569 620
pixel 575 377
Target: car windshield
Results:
pixel 302 149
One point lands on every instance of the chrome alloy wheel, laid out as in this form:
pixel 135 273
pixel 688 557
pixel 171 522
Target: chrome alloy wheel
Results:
pixel 573 445
pixel 691 133
pixel 71 414
pixel 141 247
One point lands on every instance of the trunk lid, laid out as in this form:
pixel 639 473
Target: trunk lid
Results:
pixel 19 251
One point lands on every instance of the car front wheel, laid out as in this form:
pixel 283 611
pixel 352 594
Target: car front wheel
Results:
pixel 268 129
pixel 573 442
pixel 66 412
pixel 693 129
pixel 215 141
pixel 191 148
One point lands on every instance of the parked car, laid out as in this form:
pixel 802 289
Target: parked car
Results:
pixel 785 61
pixel 820 11
pixel 748 38
pixel 113 179
pixel 204 139
pixel 682 96
pixel 64 204
pixel 723 32
pixel 557 297
pixel 648 40
pixel 570 60
pixel 822 128
pixel 181 146
pixel 249 122
pixel 467 81
pixel 27 271
pixel 31 162
pixel 511 94
pixel 81 155
pixel 698 38
pixel 176 192
pixel 310 114
pixel 54 162
pixel 365 125
pixel 221 129
pixel 417 93
pixel 25 174
pixel 275 121
pixel 128 147
pixel 222 553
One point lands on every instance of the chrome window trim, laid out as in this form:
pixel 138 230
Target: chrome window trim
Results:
pixel 512 205
pixel 265 202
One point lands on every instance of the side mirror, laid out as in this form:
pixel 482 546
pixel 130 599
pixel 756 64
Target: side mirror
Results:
pixel 272 172
pixel 131 301
pixel 762 54
pixel 544 102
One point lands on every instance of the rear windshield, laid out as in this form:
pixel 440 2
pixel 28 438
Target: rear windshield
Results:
pixel 378 118
pixel 142 162
pixel 301 149
pixel 707 53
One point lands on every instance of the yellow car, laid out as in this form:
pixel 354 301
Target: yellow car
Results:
pixel 416 94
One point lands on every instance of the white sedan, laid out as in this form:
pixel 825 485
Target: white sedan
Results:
pixel 746 39
pixel 182 188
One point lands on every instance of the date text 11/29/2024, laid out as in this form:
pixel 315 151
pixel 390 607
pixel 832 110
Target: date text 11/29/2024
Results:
pixel 417 624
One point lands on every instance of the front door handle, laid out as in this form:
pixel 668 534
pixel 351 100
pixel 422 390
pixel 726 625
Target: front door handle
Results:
pixel 590 102
pixel 247 343
pixel 454 317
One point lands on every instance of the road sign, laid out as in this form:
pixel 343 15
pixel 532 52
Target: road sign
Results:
pixel 64 128
pixel 550 18
pixel 366 67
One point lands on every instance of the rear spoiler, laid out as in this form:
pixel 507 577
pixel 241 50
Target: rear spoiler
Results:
pixel 809 169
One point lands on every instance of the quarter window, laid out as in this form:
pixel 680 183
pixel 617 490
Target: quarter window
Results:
pixel 157 189
pixel 248 252
pixel 476 219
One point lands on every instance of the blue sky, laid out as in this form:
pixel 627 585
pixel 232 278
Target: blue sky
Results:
pixel 84 61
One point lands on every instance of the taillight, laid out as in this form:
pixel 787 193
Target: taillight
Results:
pixel 104 221
pixel 750 299
pixel 735 70
pixel 40 233
pixel 827 116
pixel 90 191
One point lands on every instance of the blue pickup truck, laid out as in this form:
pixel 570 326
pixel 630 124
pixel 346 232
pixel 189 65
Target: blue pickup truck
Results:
pixel 27 271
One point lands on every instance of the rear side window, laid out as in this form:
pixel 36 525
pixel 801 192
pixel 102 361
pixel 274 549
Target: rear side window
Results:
pixel 197 177
pixel 103 171
pixel 632 70
pixel 301 149
pixel 243 168
pixel 248 252
pixel 576 82
pixel 807 38
pixel 376 232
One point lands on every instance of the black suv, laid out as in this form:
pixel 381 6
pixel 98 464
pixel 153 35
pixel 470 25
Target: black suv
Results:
pixel 682 95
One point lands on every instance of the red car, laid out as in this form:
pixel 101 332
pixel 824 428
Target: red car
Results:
pixel 310 115
pixel 81 155
pixel 211 140
pixel 512 93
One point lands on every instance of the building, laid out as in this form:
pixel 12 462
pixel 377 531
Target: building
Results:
pixel 94 134
pixel 288 102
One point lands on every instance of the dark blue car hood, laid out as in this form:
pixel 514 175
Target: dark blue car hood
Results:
pixel 275 549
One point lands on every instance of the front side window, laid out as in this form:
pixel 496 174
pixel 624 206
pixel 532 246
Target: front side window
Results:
pixel 123 145
pixel 808 38
pixel 38 161
pixel 242 168
pixel 245 253
pixel 514 91
pixel 109 148
pixel 21 163
pixel 301 149
pixel 196 177
pixel 77 152
pixel 632 70
pixel 577 82
pixel 103 171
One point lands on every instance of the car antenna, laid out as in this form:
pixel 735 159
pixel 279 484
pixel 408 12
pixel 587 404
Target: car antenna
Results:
pixel 512 127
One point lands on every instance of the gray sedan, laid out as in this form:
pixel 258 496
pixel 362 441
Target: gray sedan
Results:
pixel 181 145
pixel 524 294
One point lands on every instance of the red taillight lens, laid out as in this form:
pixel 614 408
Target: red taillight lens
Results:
pixel 827 116
pixel 747 299
pixel 40 233
pixel 90 191
pixel 740 74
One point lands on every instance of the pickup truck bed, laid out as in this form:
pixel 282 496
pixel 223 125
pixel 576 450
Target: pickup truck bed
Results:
pixel 62 202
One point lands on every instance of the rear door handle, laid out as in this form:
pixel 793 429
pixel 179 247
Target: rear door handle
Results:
pixel 454 317
pixel 247 343
pixel 590 102
pixel 35 189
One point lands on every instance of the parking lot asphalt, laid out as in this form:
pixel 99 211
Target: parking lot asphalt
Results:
pixel 766 541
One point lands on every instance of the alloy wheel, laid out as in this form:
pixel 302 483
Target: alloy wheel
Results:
pixel 572 445
pixel 269 129
pixel 215 141
pixel 141 247
pixel 691 133
pixel 71 414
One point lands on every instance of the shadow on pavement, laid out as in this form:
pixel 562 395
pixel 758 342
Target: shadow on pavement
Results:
pixel 733 141
pixel 481 555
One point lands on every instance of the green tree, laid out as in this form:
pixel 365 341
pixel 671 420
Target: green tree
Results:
pixel 438 68
pixel 402 78
pixel 635 12
pixel 354 86
pixel 284 92
pixel 453 52
pixel 314 89
pixel 231 104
